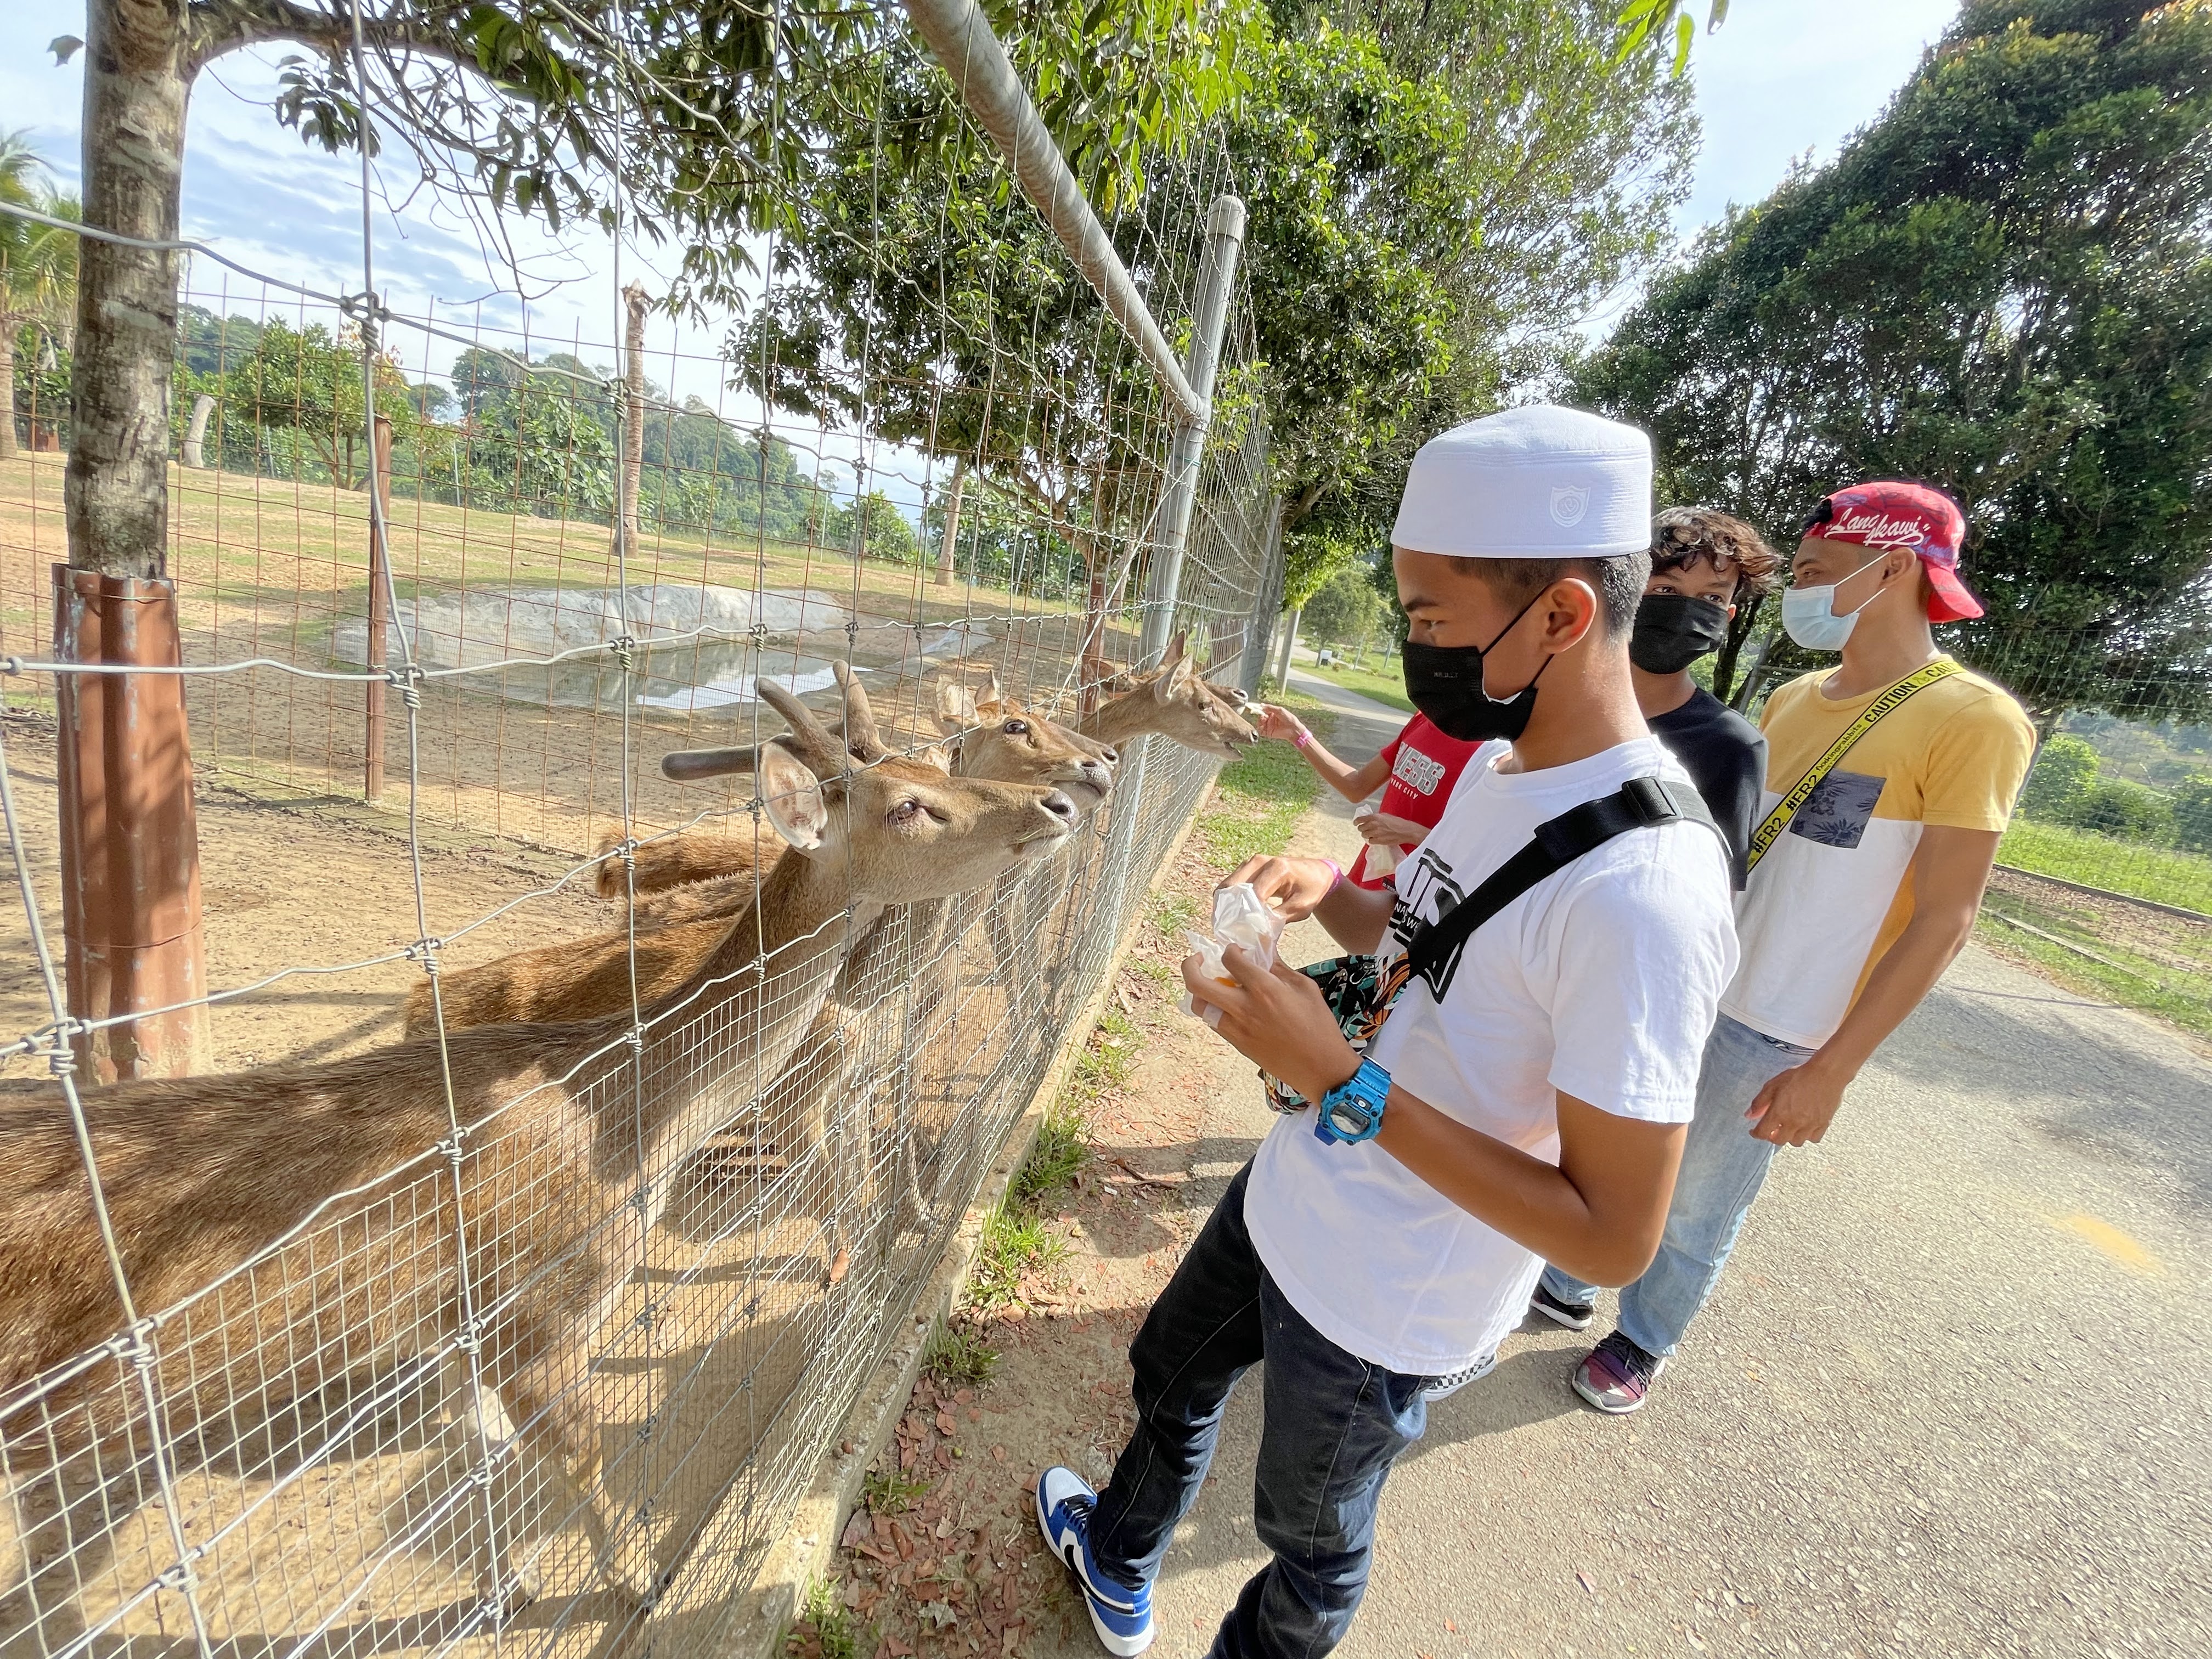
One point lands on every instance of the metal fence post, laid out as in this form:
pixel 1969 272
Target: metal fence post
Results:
pixel 1217 278
pixel 380 617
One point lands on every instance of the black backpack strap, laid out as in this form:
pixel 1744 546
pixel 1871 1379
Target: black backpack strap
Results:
pixel 1639 803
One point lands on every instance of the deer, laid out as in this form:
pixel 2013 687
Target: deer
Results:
pixel 1173 701
pixel 991 736
pixel 561 1158
pixel 676 929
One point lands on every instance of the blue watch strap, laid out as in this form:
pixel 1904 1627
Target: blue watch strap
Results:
pixel 1353 1111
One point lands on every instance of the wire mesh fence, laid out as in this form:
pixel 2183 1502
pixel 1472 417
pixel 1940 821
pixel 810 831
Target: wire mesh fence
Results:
pixel 503 1333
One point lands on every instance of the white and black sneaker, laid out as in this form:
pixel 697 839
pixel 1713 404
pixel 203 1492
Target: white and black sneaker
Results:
pixel 1122 1616
pixel 1575 1316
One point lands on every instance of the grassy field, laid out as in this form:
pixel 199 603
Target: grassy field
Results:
pixel 1262 793
pixel 294 556
pixel 2121 866
pixel 2173 980
pixel 1388 687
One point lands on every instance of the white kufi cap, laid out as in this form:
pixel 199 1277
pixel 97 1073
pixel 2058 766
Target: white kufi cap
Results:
pixel 1539 483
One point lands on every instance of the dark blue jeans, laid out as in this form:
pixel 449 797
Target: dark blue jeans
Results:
pixel 1333 1425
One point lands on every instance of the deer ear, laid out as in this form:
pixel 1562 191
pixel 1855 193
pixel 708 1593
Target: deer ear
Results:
pixel 956 707
pixel 1178 648
pixel 792 796
pixel 1172 678
pixel 938 754
pixel 993 693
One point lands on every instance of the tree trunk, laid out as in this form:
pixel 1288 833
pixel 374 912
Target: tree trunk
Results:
pixel 8 390
pixel 196 433
pixel 116 495
pixel 945 552
pixel 1290 639
pixel 633 299
pixel 131 899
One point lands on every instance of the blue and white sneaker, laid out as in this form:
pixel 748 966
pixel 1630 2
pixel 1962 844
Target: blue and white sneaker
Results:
pixel 1122 1617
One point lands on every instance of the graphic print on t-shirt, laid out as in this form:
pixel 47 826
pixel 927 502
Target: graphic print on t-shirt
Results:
pixel 1837 811
pixel 1425 892
pixel 1417 771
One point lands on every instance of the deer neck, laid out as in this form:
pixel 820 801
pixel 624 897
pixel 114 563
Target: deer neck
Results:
pixel 737 1021
pixel 1129 715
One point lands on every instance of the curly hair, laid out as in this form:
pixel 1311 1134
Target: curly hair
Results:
pixel 1683 535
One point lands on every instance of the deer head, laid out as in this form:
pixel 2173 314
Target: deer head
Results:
pixel 997 738
pixel 897 829
pixel 1173 701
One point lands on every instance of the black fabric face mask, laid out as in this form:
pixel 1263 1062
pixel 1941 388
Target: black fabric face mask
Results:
pixel 1673 630
pixel 1445 682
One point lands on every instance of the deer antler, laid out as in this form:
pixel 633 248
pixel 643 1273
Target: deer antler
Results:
pixel 861 736
pixel 811 740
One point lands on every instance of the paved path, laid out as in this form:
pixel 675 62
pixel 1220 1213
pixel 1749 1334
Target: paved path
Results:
pixel 1947 1400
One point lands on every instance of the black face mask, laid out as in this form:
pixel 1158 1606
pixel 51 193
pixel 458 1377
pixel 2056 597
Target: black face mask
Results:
pixel 1673 630
pixel 1445 683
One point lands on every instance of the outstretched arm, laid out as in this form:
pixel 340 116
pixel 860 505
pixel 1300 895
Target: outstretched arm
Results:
pixel 1353 783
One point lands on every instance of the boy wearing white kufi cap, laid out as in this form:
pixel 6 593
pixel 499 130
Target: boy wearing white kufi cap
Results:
pixel 1526 1096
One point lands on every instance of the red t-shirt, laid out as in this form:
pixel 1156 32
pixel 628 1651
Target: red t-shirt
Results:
pixel 1424 764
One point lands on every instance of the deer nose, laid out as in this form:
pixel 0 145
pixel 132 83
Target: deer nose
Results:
pixel 1111 757
pixel 1059 806
pixel 1099 773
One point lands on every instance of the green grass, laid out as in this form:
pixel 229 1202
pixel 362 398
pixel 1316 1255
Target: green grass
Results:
pixel 2179 990
pixel 1173 912
pixel 837 1632
pixel 1016 1241
pixel 1262 794
pixel 2121 866
pixel 1060 1149
pixel 1389 687
pixel 889 1493
pixel 957 1355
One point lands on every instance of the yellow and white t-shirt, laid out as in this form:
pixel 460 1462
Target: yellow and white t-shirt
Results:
pixel 1831 895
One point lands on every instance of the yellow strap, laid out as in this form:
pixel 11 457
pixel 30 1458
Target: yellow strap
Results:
pixel 1802 791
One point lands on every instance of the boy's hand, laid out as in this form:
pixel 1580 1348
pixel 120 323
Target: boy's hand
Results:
pixel 1382 829
pixel 1290 886
pixel 1797 1106
pixel 1277 1019
pixel 1278 723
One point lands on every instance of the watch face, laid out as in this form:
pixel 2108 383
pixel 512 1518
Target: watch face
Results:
pixel 1349 1118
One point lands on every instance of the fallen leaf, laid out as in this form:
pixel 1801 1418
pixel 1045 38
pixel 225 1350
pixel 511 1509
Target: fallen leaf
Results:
pixel 940 1614
pixel 855 1529
pixel 998 1454
pixel 841 1267
pixel 944 1527
pixel 898 1649
pixel 1452 1627
pixel 947 1424
pixel 1586 1581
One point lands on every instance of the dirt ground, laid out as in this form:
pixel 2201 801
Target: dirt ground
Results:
pixel 1939 1405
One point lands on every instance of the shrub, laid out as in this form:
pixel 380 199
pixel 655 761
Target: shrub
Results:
pixel 2192 802
pixel 2065 770
pixel 2128 810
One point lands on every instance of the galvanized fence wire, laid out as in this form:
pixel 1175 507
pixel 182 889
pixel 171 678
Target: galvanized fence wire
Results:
pixel 508 1336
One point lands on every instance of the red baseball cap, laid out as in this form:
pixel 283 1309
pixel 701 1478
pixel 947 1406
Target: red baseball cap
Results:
pixel 1887 513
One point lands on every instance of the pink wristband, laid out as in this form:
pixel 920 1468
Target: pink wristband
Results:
pixel 1339 881
pixel 1302 738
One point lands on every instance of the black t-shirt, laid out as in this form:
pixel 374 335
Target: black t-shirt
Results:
pixel 1726 758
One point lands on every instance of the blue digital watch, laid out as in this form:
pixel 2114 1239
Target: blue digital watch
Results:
pixel 1353 1111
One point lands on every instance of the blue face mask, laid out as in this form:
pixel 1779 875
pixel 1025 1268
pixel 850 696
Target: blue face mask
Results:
pixel 1808 615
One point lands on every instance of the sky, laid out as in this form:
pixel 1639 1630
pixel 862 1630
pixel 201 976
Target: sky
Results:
pixel 1781 78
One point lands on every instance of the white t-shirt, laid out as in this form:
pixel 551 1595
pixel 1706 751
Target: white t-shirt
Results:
pixel 1601 983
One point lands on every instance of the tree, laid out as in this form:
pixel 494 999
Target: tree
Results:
pixel 701 113
pixel 308 382
pixel 38 268
pixel 2191 804
pixel 2003 286
pixel 2065 770
pixel 1345 612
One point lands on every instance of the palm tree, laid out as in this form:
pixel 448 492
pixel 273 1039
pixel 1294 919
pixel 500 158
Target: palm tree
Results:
pixel 38 266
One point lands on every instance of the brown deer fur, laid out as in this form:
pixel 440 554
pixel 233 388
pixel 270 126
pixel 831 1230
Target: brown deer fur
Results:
pixel 209 1176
